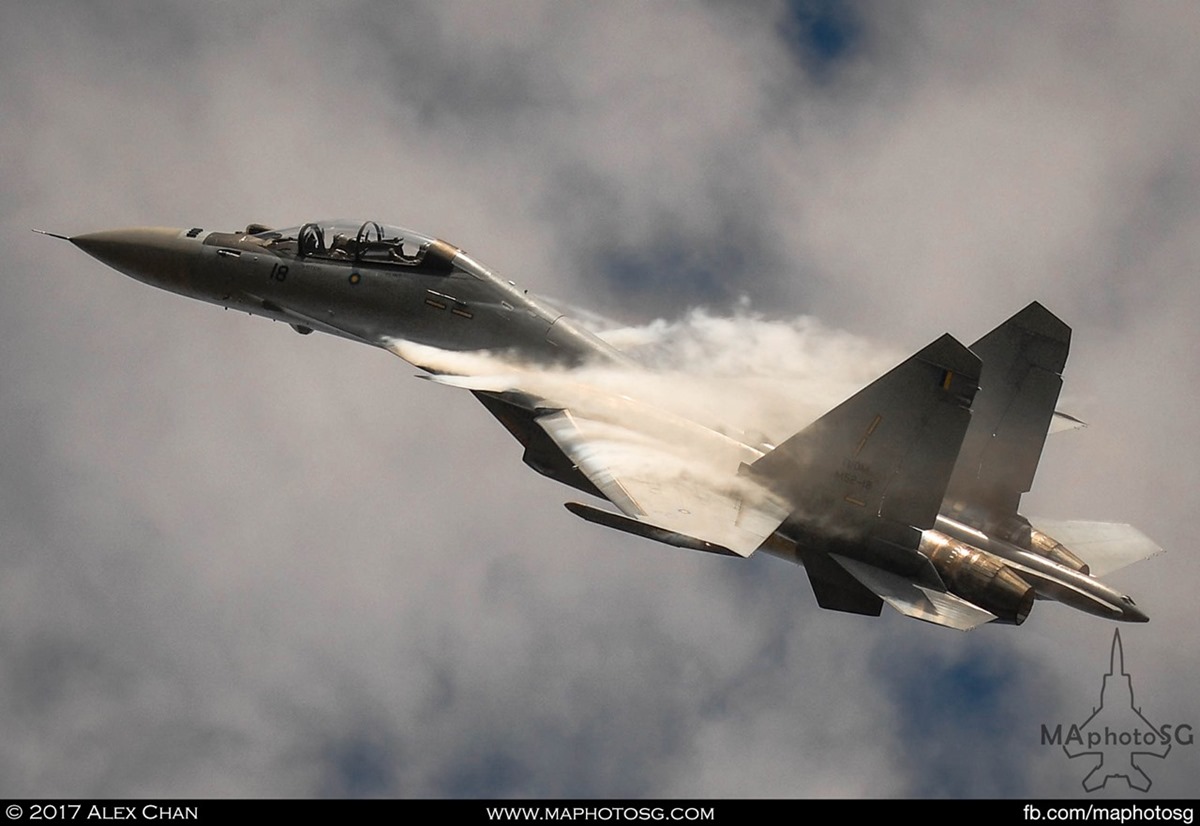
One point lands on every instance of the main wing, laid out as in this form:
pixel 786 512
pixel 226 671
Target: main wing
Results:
pixel 672 479
pixel 678 482
pixel 669 474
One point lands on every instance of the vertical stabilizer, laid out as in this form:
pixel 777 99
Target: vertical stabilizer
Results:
pixel 1023 360
pixel 881 459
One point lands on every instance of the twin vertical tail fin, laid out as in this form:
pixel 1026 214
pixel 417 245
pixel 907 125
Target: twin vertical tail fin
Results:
pixel 866 481
pixel 869 476
pixel 1023 360
pixel 884 456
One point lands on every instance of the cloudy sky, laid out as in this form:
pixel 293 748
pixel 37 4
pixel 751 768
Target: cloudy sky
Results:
pixel 234 561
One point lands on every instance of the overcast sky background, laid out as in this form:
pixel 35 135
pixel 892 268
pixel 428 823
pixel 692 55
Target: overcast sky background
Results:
pixel 235 561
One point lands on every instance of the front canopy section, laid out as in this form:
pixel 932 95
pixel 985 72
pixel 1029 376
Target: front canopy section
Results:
pixel 369 243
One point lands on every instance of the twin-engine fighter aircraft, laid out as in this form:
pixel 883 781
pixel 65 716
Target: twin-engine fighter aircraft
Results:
pixel 907 493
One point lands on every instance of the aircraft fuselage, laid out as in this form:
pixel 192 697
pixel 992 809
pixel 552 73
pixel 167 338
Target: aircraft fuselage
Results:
pixel 863 527
pixel 377 287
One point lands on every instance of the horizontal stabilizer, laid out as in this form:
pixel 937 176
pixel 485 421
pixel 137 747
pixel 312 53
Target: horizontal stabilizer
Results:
pixel 1065 421
pixel 912 600
pixel 1104 546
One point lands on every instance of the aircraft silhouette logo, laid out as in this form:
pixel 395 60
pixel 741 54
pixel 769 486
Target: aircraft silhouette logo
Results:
pixel 1117 737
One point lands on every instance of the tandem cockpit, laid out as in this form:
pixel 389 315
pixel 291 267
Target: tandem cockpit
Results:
pixel 368 243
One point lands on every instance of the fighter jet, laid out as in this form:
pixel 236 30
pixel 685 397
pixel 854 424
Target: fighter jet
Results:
pixel 906 493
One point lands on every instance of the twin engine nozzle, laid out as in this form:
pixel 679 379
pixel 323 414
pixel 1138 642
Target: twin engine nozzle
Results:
pixel 979 577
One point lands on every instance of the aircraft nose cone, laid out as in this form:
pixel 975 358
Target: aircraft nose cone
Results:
pixel 154 255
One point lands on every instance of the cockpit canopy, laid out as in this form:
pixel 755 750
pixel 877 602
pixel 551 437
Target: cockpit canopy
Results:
pixel 367 243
